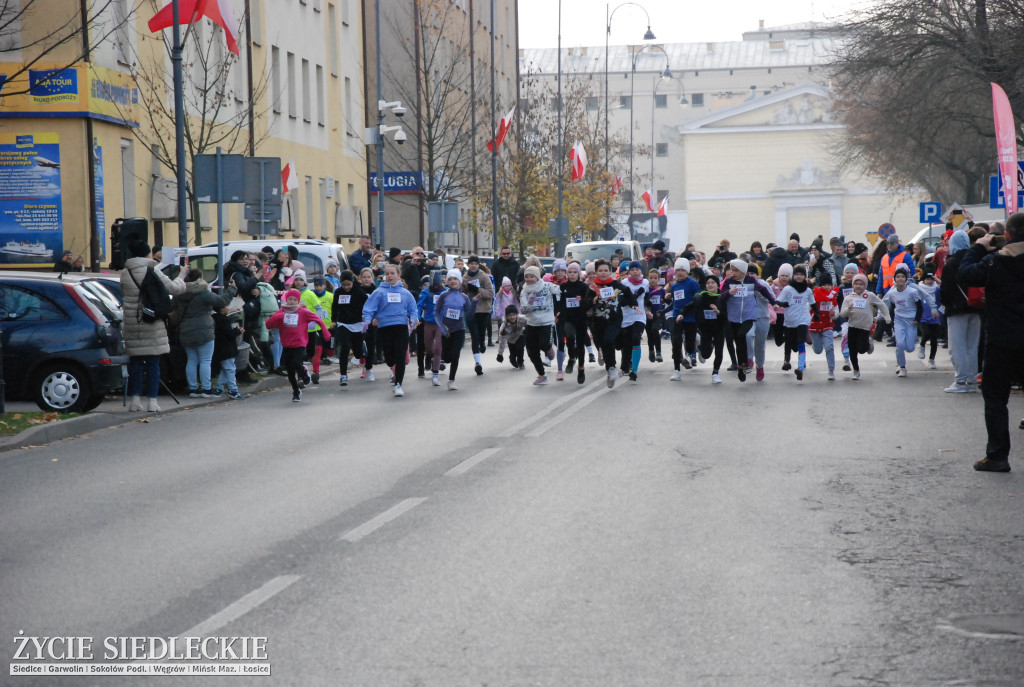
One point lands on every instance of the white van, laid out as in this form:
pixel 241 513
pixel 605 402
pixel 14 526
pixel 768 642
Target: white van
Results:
pixel 313 253
pixel 592 250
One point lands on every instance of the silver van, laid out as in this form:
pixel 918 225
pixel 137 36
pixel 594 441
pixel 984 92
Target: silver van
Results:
pixel 592 250
pixel 313 253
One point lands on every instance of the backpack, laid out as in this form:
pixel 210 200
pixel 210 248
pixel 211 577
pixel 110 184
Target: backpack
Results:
pixel 154 299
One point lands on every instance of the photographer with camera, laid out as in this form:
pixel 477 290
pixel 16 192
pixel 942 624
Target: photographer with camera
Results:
pixel 414 271
pixel 997 263
pixel 722 253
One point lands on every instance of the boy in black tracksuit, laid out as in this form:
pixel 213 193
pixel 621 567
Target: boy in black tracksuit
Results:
pixel 571 313
pixel 711 321
pixel 347 316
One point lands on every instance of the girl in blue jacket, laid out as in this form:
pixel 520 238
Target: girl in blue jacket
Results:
pixel 393 310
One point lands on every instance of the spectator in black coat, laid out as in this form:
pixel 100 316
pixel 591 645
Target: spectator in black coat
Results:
pixel 504 266
pixel 776 259
pixel 1001 272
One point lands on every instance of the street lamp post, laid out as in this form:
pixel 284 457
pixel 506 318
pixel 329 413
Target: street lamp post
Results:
pixel 654 151
pixel 632 80
pixel 648 36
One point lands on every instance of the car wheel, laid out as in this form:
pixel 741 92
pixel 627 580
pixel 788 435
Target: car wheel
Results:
pixel 62 389
pixel 94 401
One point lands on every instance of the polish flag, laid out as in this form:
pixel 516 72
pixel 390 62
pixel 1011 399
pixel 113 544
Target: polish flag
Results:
pixel 289 179
pixel 503 126
pixel 189 11
pixel 663 207
pixel 647 196
pixel 578 156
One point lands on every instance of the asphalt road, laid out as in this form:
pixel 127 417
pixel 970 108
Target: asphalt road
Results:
pixel 661 533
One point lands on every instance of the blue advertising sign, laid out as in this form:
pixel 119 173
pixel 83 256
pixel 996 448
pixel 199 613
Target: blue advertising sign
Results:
pixel 398 182
pixel 931 212
pixel 31 228
pixel 101 221
pixel 53 85
pixel 995 189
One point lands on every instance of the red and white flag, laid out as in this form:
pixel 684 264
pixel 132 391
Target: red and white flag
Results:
pixel 1006 146
pixel 289 178
pixel 503 126
pixel 663 207
pixel 578 157
pixel 647 196
pixel 616 185
pixel 189 11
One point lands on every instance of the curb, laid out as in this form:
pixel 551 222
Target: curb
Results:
pixel 76 426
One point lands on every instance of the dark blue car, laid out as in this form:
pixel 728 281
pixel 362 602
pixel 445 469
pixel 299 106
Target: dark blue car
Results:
pixel 62 341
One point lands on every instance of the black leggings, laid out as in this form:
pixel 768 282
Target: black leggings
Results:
pixel 630 337
pixel 576 340
pixel 711 338
pixel 654 327
pixel 683 331
pixel 291 361
pixel 537 339
pixel 738 334
pixel 606 335
pixel 931 333
pixel 779 332
pixel 857 342
pixel 394 340
pixel 478 325
pixel 345 341
pixel 451 347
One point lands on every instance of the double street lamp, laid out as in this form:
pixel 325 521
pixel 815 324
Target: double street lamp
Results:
pixel 667 74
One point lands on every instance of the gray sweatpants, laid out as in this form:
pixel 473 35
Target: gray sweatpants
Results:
pixel 964 337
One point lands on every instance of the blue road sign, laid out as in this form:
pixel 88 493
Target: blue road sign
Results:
pixel 931 212
pixel 995 189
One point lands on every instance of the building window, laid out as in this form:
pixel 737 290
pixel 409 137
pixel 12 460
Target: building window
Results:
pixel 625 150
pixel 662 193
pixel 307 93
pixel 332 39
pixel 593 103
pixel 627 196
pixel 661 100
pixel 346 115
pixel 122 38
pixel 662 149
pixel 309 207
pixel 697 99
pixel 292 103
pixel 321 104
pixel 344 12
pixel 323 209
pixel 256 20
pixel 626 101
pixel 275 78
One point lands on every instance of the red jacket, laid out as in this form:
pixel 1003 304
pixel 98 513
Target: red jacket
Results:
pixel 825 307
pixel 295 332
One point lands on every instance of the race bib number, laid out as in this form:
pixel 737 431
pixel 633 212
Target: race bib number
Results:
pixel 394 298
pixel 453 314
pixel 475 282
pixel 344 300
pixel 824 307
pixel 291 319
pixel 661 282
pixel 796 298
pixel 320 312
pixel 744 290
pixel 606 292
pixel 436 297
pixel 860 303
pixel 710 314
pixel 656 300
pixel 572 302
pixel 847 292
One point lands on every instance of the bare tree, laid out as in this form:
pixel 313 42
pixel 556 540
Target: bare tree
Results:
pixel 912 80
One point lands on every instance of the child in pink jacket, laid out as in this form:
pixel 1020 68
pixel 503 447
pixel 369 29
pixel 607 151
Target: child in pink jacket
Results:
pixel 293 322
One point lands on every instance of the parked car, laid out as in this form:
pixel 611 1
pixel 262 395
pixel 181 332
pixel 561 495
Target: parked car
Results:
pixel 313 253
pixel 585 251
pixel 62 340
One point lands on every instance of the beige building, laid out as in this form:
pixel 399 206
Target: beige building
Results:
pixel 739 138
pixel 306 105
pixel 436 60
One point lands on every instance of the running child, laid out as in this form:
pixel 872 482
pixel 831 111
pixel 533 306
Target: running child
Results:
pixel 824 309
pixel 347 314
pixel 537 303
pixel 450 312
pixel 778 330
pixel 610 299
pixel 931 317
pixel 634 322
pixel 393 310
pixel 796 298
pixel 737 301
pixel 511 334
pixel 319 300
pixel 432 339
pixel 710 324
pixel 293 322
pixel 684 320
pixel 656 323
pixel 907 307
pixel 757 337
pixel 860 310
pixel 571 314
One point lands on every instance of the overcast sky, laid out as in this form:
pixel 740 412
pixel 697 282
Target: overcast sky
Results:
pixel 672 21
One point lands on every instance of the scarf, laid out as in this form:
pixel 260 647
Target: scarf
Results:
pixel 291 308
pixel 799 287
pixel 604 282
pixel 637 282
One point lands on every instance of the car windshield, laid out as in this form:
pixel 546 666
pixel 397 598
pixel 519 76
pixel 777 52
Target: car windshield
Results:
pixel 586 252
pixel 103 298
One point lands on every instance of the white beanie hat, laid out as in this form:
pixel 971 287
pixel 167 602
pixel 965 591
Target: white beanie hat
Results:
pixel 454 273
pixel 785 270
pixel 682 264
pixel 738 264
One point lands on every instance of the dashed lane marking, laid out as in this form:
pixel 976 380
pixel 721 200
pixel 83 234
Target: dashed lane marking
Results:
pixel 384 518
pixel 515 429
pixel 242 606
pixel 471 462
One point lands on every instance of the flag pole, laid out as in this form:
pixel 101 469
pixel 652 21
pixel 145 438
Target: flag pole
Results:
pixel 179 132
pixel 558 222
pixel 494 152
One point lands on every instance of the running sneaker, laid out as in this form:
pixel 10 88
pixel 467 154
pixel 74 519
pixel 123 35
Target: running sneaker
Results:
pixel 685 362
pixel 693 361
pixel 650 355
pixel 871 346
pixel 370 377
pixel 363 375
pixel 442 367
pixel 632 375
pixel 760 374
pixel 658 358
pixel 613 374
pixel 989 465
pixel 856 375
pixel 750 364
pixel 235 396
pixel 435 380
pixel 701 358
pixel 600 358
pixel 316 378
pixel 846 366
pixel 741 374
pixel 932 365
pixel 398 390
pixel 676 376
pixel 560 377
pixel 580 376
pixel 297 396
pixel 786 367
pixel 957 388
pixel 902 372
pixel 799 373
pixel 732 368
pixel 570 363
pixel 452 386
pixel 344 380
pixel 715 379
pixel 540 381
pixel 920 351
pixel 479 369
pixel 592 358
pixel 831 376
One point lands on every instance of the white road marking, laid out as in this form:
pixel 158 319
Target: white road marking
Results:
pixel 384 518
pixel 558 419
pixel 470 462
pixel 242 606
pixel 515 429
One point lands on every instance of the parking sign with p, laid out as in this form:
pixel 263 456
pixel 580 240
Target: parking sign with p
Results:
pixel 931 212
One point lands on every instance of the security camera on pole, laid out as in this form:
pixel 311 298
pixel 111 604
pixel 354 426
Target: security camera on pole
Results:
pixel 375 137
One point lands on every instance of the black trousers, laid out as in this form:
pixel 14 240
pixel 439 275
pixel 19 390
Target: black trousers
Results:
pixel 394 341
pixel 537 339
pixel 451 350
pixel 576 339
pixel 606 337
pixel 516 350
pixel 779 333
pixel 654 327
pixel 931 333
pixel 346 341
pixel 711 340
pixel 478 325
pixel 291 361
pixel 738 335
pixel 630 337
pixel 1003 367
pixel 683 333
pixel 857 343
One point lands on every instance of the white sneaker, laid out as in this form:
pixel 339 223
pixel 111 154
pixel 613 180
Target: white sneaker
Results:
pixel 856 375
pixel 902 372
pixel 831 376
pixel 932 365
pixel 136 405
pixel 701 358
pixel 920 351
pixel 676 376
pixel 715 379
pixel 398 390
pixel 957 388
pixel 370 377
pixel 435 380
pixel 344 380
pixel 152 407
pixel 972 388
pixel 451 386
pixel 613 374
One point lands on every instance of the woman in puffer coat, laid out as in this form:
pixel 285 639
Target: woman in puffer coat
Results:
pixel 144 342
pixel 195 310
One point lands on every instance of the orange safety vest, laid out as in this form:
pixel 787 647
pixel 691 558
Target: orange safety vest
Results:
pixel 889 266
